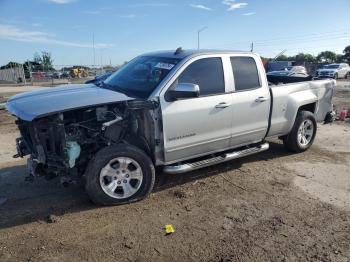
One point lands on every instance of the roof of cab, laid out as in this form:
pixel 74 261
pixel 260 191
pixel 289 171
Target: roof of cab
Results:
pixel 193 52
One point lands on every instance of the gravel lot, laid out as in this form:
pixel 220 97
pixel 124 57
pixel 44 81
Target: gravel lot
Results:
pixel 273 206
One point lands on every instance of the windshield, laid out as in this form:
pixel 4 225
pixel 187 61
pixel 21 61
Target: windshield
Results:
pixel 141 76
pixel 331 66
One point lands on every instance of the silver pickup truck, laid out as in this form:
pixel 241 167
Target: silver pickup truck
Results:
pixel 177 111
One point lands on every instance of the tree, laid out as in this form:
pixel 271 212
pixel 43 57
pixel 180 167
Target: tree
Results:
pixel 282 58
pixel 301 57
pixel 37 58
pixel 11 65
pixel 346 52
pixel 339 58
pixel 44 60
pixel 327 57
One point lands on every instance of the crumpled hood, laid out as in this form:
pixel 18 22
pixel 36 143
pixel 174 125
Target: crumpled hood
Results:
pixel 30 105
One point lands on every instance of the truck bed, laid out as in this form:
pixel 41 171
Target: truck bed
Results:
pixel 287 98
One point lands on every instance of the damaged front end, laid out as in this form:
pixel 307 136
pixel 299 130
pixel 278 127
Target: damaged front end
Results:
pixel 63 143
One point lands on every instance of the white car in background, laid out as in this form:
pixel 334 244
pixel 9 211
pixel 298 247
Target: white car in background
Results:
pixel 335 71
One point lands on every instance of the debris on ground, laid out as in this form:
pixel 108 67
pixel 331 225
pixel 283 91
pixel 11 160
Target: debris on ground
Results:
pixel 51 219
pixel 169 229
pixel 180 194
pixel 188 208
pixel 129 244
pixel 343 114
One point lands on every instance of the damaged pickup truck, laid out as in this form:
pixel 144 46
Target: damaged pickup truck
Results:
pixel 174 111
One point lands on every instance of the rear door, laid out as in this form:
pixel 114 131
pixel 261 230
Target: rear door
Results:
pixel 251 100
pixel 198 126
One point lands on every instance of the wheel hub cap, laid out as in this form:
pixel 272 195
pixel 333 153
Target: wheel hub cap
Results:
pixel 305 132
pixel 121 177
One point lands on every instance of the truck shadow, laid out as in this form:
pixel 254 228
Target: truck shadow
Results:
pixel 29 202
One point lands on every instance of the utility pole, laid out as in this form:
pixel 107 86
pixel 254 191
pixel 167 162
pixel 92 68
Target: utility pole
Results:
pixel 252 47
pixel 198 33
pixel 93 49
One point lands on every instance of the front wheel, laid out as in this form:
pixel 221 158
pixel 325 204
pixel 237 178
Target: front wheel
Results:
pixel 302 134
pixel 118 175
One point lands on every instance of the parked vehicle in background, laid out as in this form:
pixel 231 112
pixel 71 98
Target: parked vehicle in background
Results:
pixel 57 75
pixel 65 74
pixel 177 111
pixel 38 75
pixel 98 79
pixel 335 71
pixel 50 74
pixel 289 74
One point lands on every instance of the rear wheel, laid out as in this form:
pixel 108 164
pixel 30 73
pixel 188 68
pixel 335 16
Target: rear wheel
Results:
pixel 302 134
pixel 118 175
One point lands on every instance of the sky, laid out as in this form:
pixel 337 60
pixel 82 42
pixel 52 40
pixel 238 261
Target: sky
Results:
pixel 123 29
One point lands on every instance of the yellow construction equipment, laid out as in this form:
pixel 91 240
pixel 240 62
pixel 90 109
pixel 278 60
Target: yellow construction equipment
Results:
pixel 78 72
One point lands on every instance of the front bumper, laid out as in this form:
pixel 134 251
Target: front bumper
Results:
pixel 324 75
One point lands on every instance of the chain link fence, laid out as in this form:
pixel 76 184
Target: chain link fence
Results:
pixel 15 74
pixel 56 75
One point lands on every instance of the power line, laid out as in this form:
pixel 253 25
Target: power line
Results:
pixel 334 33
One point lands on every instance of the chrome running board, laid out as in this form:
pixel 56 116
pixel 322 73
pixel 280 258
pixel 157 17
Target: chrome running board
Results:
pixel 189 166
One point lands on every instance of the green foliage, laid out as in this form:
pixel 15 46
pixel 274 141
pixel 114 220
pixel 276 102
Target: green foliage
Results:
pixel 44 60
pixel 11 65
pixel 323 57
pixel 37 58
pixel 346 56
pixel 340 59
pixel 283 58
pixel 327 57
pixel 301 57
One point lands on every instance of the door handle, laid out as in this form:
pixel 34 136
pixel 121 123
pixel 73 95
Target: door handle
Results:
pixel 222 105
pixel 261 99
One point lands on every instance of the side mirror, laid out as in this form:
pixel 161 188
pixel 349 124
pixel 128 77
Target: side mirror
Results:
pixel 184 90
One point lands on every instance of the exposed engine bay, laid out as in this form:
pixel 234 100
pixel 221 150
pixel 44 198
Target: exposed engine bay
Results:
pixel 64 143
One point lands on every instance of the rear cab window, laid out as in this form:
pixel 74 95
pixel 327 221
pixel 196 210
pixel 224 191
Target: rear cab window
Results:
pixel 245 73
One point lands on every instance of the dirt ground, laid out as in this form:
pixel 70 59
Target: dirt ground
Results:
pixel 273 206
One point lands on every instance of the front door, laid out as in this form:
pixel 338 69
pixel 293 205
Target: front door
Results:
pixel 198 126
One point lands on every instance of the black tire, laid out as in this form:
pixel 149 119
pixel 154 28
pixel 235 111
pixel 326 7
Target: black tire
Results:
pixel 347 75
pixel 291 141
pixel 102 158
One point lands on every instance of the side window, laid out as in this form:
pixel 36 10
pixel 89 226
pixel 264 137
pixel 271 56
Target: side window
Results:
pixel 245 73
pixel 207 73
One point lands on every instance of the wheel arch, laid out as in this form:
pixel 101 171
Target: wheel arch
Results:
pixel 300 101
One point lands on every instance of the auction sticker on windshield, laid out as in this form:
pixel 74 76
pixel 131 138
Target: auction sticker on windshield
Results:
pixel 164 66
